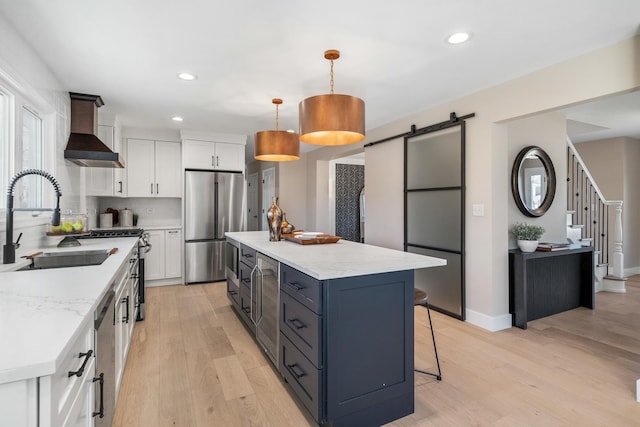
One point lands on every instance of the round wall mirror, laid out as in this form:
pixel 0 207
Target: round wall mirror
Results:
pixel 533 181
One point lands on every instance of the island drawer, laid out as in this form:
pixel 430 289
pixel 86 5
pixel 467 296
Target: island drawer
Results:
pixel 248 255
pixel 244 275
pixel 302 376
pixel 303 288
pixel 302 326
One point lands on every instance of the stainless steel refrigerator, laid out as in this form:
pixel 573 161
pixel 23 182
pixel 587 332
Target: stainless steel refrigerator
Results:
pixel 213 205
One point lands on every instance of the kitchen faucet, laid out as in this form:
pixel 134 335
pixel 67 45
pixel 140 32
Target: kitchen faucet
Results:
pixel 9 249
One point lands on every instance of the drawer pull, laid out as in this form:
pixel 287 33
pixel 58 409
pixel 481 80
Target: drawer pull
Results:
pixel 296 323
pixel 80 371
pixel 296 285
pixel 232 292
pixel 125 301
pixel 100 413
pixel 246 280
pixel 246 310
pixel 247 256
pixel 294 373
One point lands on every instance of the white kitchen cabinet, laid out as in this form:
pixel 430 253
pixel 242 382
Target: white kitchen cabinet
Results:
pixel 213 155
pixel 164 261
pixel 108 181
pixel 173 253
pixel 154 259
pixel 153 168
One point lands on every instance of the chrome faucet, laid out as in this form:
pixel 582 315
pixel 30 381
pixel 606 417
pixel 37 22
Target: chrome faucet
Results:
pixel 9 249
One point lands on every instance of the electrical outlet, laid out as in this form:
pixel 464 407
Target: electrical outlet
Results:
pixel 478 210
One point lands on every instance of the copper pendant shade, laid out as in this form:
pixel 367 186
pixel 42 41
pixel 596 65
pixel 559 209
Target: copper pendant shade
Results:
pixel 277 145
pixel 331 119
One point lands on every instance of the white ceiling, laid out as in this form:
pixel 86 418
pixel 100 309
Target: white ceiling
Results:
pixel 394 54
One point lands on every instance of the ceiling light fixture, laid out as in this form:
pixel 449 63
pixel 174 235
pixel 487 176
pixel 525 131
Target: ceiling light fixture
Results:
pixel 277 145
pixel 331 119
pixel 176 118
pixel 187 76
pixel 458 38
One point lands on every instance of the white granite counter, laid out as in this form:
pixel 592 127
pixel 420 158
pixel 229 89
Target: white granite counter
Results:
pixel 42 311
pixel 335 260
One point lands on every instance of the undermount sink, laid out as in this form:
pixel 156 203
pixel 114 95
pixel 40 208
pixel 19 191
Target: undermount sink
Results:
pixel 68 259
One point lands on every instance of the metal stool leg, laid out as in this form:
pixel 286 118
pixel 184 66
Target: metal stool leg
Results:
pixel 435 349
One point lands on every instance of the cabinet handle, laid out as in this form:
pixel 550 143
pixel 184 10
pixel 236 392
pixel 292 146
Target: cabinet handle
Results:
pixel 247 310
pixel 294 373
pixel 296 323
pixel 172 231
pixel 120 184
pixel 231 292
pixel 80 371
pixel 100 413
pixel 217 160
pixel 157 188
pixel 125 300
pixel 151 190
pixel 296 285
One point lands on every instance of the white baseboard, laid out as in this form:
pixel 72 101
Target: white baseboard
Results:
pixel 163 282
pixel 631 271
pixel 490 323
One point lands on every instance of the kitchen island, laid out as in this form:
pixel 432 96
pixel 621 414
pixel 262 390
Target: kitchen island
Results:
pixel 345 320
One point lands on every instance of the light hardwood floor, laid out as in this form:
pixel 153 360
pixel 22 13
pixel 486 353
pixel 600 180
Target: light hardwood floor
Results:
pixel 192 363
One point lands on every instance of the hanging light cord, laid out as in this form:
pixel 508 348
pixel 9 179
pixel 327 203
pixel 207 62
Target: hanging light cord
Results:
pixel 332 76
pixel 276 116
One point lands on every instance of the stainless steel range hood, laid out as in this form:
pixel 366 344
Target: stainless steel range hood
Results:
pixel 84 148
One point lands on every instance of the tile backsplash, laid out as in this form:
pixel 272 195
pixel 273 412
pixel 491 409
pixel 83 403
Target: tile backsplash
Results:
pixel 151 211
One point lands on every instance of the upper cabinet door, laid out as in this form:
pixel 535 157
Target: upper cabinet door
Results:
pixel 168 171
pixel 206 155
pixel 198 155
pixel 229 157
pixel 141 168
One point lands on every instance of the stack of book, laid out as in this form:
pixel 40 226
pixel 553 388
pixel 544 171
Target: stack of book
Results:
pixel 548 247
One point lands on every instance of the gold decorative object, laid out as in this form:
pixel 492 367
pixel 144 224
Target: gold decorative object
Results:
pixel 274 219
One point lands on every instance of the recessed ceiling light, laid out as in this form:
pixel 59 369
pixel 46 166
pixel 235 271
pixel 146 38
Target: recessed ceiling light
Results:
pixel 176 118
pixel 187 76
pixel 458 38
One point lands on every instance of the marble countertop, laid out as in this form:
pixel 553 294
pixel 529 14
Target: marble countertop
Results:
pixel 335 260
pixel 43 311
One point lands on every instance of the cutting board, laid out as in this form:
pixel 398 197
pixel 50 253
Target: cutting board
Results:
pixel 318 240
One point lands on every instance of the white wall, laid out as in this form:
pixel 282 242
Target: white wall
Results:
pixel 547 131
pixel 25 72
pixel 607 71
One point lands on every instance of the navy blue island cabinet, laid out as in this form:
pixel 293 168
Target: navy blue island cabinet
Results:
pixel 346 345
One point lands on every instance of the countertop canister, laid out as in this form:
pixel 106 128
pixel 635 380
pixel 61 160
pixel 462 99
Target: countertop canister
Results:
pixel 126 218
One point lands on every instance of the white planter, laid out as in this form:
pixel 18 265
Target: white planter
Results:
pixel 528 245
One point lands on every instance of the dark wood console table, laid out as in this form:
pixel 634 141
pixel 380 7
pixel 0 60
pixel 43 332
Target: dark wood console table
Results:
pixel 546 283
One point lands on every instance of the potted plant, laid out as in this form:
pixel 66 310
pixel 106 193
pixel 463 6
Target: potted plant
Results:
pixel 527 235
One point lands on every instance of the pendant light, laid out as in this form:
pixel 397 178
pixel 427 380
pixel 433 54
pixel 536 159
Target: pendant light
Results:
pixel 331 119
pixel 277 145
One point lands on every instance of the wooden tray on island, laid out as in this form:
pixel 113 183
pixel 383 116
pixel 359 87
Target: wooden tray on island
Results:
pixel 317 240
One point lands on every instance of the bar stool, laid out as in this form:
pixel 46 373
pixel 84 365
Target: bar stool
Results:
pixel 421 298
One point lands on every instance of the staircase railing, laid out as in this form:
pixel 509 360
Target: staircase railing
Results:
pixel 594 212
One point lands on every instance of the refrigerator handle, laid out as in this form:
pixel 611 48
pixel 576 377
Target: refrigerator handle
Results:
pixel 219 233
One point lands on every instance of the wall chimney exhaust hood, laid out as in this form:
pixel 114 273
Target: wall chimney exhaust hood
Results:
pixel 84 148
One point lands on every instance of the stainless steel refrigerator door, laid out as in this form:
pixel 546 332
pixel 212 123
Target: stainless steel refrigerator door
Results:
pixel 204 261
pixel 199 193
pixel 230 191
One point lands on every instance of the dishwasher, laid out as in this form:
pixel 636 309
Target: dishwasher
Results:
pixel 104 323
pixel 266 293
